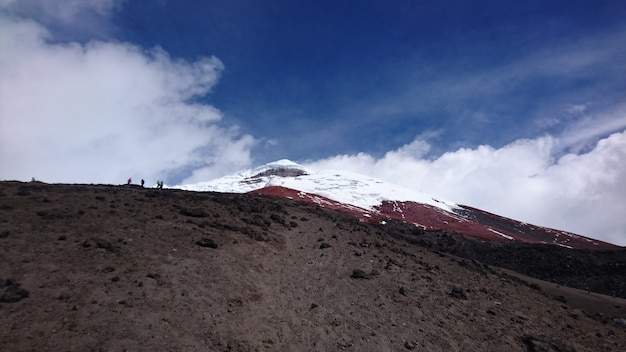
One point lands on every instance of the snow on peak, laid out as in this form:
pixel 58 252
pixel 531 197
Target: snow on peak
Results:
pixel 283 167
pixel 345 187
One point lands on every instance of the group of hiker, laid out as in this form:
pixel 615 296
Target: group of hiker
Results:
pixel 159 184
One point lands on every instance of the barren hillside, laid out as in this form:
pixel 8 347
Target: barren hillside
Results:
pixel 122 268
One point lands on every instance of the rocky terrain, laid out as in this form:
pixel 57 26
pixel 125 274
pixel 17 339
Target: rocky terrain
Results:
pixel 123 268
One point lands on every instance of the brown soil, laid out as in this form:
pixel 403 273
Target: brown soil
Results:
pixel 122 268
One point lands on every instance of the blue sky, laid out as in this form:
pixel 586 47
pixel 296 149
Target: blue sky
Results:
pixel 370 76
pixel 515 107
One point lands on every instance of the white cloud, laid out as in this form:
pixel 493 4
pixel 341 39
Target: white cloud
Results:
pixel 104 111
pixel 65 11
pixel 583 132
pixel 81 18
pixel 584 194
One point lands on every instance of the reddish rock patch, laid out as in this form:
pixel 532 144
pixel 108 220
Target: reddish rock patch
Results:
pixel 467 220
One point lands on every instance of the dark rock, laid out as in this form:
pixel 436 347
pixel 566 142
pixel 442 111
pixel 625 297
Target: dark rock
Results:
pixel 325 245
pixel 64 296
pixel 4 234
pixel 195 213
pixel 402 290
pixel 100 243
pixel 458 292
pixel 277 218
pixel 544 344
pixel 62 238
pixel 359 274
pixel 206 242
pixel 13 293
pixel 409 345
pixel 115 279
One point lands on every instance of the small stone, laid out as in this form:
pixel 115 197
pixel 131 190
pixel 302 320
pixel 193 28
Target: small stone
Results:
pixel 409 345
pixel 359 274
pixel 458 292
pixel 64 296
pixel 206 242
pixel 325 245
pixel 13 293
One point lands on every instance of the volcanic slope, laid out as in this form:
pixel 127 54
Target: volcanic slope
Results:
pixel 102 268
pixel 375 200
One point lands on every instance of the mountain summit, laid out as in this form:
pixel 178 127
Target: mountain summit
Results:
pixel 341 186
pixel 373 200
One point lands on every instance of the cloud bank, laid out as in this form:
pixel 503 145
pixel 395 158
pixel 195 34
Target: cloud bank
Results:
pixel 582 193
pixel 100 112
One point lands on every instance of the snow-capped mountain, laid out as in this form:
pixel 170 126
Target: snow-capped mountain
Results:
pixel 374 200
pixel 345 187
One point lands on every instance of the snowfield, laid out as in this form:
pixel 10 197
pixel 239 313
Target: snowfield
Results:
pixel 344 187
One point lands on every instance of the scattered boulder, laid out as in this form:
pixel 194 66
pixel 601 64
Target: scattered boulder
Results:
pixel 99 243
pixel 206 242
pixel 64 296
pixel 325 245
pixel 544 344
pixel 458 292
pixel 194 213
pixel 409 345
pixel 277 218
pixel 13 292
pixel 359 274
